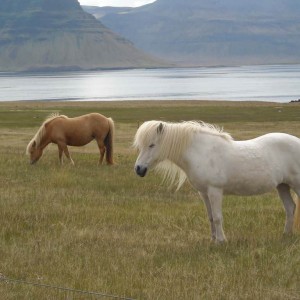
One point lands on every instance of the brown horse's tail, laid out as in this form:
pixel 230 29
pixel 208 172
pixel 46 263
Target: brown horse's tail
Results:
pixel 297 214
pixel 109 142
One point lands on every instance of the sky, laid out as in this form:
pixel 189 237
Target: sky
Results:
pixel 132 3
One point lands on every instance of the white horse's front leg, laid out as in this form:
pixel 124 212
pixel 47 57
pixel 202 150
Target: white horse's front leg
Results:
pixel 215 196
pixel 209 213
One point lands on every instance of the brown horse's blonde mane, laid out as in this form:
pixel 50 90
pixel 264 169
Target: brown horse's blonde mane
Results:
pixel 41 132
pixel 176 137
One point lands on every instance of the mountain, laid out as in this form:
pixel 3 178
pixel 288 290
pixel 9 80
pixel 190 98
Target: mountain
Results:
pixel 214 32
pixel 59 35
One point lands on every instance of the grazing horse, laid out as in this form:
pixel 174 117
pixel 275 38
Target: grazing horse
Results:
pixel 217 165
pixel 78 131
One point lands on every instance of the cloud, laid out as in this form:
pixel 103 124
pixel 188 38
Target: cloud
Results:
pixel 133 3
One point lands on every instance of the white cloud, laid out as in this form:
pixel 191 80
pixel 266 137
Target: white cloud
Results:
pixel 133 3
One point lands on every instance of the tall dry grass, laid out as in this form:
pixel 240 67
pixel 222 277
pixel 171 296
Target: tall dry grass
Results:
pixel 106 230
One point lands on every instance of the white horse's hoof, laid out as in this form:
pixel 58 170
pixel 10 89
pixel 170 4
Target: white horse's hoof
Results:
pixel 220 242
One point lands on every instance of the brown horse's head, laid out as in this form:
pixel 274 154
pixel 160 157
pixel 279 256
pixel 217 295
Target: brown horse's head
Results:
pixel 34 152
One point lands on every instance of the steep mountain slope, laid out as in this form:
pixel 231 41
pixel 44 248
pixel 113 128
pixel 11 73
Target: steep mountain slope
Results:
pixel 58 34
pixel 214 32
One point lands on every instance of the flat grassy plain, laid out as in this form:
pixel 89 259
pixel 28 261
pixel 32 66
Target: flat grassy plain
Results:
pixel 104 229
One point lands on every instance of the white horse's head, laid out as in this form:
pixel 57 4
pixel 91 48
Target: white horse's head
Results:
pixel 148 142
pixel 163 145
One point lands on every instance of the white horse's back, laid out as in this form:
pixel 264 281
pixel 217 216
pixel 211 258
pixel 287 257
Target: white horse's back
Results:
pixel 259 165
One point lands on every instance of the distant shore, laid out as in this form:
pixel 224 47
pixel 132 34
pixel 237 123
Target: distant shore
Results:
pixel 138 103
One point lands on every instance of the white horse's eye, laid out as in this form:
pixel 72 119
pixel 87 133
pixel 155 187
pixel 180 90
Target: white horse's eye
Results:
pixel 151 146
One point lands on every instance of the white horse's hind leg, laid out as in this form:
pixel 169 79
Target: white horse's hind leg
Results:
pixel 289 205
pixel 297 212
pixel 215 196
pixel 209 213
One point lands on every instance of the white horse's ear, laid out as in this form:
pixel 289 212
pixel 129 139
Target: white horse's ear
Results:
pixel 160 128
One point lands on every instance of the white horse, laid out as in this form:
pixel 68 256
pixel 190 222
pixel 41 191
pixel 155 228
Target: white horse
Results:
pixel 215 164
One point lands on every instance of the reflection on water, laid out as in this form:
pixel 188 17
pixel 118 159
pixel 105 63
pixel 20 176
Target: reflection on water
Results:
pixel 279 83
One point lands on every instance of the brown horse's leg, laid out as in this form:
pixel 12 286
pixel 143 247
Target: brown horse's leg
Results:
pixel 102 151
pixel 66 151
pixel 60 153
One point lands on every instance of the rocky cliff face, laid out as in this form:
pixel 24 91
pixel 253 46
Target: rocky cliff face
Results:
pixel 219 32
pixel 59 35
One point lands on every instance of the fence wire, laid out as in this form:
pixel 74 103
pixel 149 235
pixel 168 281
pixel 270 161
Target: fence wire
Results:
pixel 65 289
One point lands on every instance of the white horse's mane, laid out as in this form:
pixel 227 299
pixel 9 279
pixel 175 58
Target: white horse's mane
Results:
pixel 176 137
pixel 41 132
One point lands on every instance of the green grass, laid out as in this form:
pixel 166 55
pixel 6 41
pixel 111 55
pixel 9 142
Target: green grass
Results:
pixel 105 229
pixel 31 114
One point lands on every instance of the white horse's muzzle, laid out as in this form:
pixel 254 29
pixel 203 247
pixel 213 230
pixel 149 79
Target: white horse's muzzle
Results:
pixel 140 170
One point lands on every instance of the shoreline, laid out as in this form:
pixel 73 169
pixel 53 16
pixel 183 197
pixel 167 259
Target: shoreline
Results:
pixel 144 102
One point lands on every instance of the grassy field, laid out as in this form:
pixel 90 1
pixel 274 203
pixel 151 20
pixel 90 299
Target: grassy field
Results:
pixel 104 229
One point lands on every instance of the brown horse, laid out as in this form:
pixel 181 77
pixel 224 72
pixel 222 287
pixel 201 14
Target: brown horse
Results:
pixel 79 131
